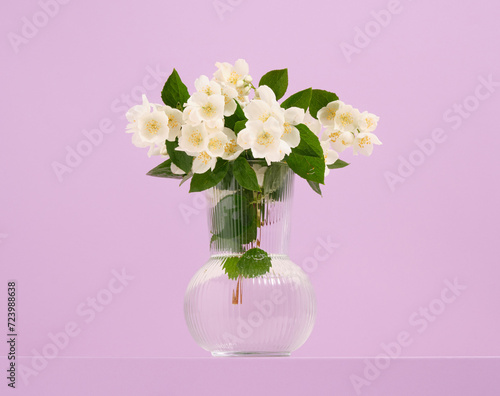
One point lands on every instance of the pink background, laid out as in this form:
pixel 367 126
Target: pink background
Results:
pixel 396 247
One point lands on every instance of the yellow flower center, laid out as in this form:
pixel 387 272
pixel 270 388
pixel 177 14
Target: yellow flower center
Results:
pixel 288 128
pixel 346 119
pixel 153 127
pixel 233 78
pixel 369 122
pixel 334 136
pixel 331 114
pixel 230 147
pixel 172 122
pixel 364 141
pixel 264 117
pixel 265 139
pixel 195 138
pixel 214 144
pixel 209 109
pixel 204 157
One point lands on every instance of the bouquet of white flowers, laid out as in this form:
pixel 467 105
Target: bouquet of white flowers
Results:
pixel 228 122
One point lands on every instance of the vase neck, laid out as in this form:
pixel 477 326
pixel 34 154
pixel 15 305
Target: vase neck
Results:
pixel 241 219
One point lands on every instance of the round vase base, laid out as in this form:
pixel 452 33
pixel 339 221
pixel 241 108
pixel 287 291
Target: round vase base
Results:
pixel 251 354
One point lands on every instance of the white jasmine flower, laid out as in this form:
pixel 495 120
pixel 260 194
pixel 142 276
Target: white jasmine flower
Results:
pixel 330 155
pixel 175 121
pixel 216 144
pixel 347 118
pixel 368 122
pixel 153 127
pixel 266 94
pixel 203 162
pixel 231 149
pixel 148 125
pixel 327 114
pixel 263 138
pixel 264 106
pixel 203 84
pixel 312 123
pixel 243 94
pixel 137 141
pixel 194 138
pixel 230 94
pixel 339 140
pixel 230 74
pixel 279 155
pixel 135 112
pixel 234 76
pixel 363 143
pixel 186 116
pixel 158 150
pixel 201 107
pixel 257 110
pixel 215 126
pixel 291 135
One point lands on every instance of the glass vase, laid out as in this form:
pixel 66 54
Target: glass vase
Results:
pixel 269 314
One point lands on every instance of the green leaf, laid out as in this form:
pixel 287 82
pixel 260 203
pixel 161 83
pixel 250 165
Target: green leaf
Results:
pixel 164 170
pixel 320 99
pixel 277 80
pixel 239 126
pixel 239 115
pixel 338 164
pixel 229 245
pixel 245 174
pixel 209 179
pixel 309 168
pixel 230 265
pixel 309 143
pixel 307 159
pixel 232 217
pixel 228 182
pixel 179 158
pixel 175 94
pixel 254 262
pixel 315 186
pixel 248 234
pixel 301 99
pixel 274 176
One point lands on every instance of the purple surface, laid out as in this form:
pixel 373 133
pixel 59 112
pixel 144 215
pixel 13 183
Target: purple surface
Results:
pixel 393 248
pixel 274 376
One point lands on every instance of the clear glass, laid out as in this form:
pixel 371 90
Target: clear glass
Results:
pixel 269 315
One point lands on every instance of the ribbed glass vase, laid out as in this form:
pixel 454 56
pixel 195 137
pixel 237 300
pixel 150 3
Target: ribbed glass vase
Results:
pixel 267 315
